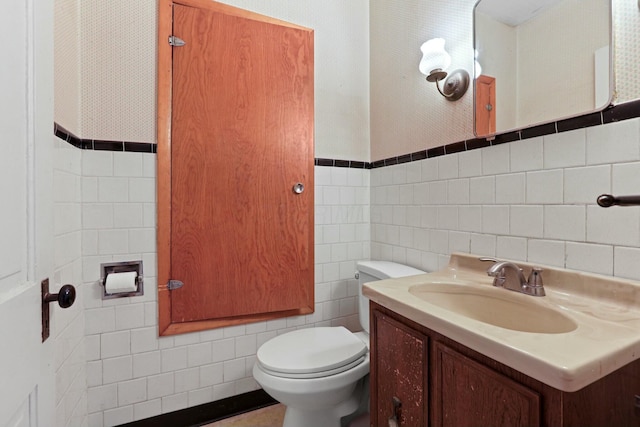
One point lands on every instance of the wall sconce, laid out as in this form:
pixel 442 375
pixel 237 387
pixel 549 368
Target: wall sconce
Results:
pixel 433 64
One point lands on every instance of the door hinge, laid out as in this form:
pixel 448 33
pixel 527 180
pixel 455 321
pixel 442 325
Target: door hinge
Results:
pixel 174 284
pixel 176 41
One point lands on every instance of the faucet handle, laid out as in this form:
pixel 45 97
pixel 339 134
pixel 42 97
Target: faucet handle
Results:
pixel 535 278
pixel 534 283
pixel 485 259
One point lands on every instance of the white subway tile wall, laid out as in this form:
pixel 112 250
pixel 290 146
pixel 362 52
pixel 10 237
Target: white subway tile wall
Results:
pixel 532 200
pixel 132 374
pixel 67 326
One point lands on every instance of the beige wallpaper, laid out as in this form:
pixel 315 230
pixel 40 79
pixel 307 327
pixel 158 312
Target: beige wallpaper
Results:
pixel 67 67
pixel 118 69
pixel 626 21
pixel 407 113
pixel 105 53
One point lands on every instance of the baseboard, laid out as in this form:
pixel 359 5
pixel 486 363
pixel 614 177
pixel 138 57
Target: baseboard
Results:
pixel 209 412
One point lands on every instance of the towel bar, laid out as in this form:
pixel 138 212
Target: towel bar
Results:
pixel 607 200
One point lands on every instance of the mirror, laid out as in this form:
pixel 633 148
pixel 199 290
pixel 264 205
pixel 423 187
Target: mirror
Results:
pixel 540 61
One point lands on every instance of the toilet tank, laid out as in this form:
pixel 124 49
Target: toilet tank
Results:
pixel 370 271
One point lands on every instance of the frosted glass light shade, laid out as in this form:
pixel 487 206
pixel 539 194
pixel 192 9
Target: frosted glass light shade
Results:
pixel 434 56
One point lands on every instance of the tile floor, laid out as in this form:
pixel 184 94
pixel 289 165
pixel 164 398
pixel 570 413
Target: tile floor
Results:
pixel 271 416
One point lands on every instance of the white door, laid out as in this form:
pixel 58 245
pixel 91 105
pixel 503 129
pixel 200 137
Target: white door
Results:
pixel 26 257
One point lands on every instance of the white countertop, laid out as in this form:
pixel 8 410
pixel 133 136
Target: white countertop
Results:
pixel 606 310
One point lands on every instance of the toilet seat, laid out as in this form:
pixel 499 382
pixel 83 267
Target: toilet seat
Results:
pixel 312 375
pixel 312 353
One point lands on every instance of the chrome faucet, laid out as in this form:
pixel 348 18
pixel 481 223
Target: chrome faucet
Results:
pixel 508 275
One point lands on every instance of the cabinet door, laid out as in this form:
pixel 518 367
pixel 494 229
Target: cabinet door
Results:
pixel 467 393
pixel 398 373
pixel 231 226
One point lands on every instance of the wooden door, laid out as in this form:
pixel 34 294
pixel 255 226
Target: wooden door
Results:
pixel 26 234
pixel 398 373
pixel 241 137
pixel 485 105
pixel 467 393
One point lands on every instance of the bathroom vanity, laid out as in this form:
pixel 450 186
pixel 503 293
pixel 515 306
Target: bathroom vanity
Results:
pixel 437 367
pixel 439 382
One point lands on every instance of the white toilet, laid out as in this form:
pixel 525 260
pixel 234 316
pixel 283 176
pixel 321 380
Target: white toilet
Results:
pixel 321 374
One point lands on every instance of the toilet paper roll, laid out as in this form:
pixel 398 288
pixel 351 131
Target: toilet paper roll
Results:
pixel 118 283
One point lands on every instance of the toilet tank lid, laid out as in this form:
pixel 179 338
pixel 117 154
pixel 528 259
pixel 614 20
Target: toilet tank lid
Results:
pixel 386 269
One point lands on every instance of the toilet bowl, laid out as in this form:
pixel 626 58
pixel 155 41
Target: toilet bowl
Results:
pixel 321 374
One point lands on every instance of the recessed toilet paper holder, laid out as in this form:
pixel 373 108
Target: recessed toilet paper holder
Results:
pixel 122 267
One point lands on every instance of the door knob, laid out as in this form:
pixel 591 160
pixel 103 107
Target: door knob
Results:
pixel 298 188
pixel 66 296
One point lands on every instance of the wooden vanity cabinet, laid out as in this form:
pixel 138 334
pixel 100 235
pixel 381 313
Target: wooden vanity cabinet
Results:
pixel 467 393
pixel 422 378
pixel 402 388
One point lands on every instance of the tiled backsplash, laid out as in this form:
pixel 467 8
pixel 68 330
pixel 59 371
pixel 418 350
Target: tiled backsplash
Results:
pixel 532 200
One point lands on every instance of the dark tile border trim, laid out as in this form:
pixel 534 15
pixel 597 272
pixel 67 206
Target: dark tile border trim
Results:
pixel 341 163
pixel 101 145
pixel 209 412
pixel 614 113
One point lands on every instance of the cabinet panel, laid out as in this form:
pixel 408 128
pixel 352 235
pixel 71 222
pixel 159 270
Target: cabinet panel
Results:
pixel 240 136
pixel 400 372
pixel 470 394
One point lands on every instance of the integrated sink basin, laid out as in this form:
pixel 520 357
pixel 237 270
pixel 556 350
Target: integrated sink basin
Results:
pixel 584 328
pixel 497 307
